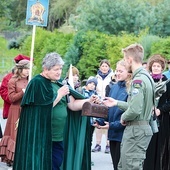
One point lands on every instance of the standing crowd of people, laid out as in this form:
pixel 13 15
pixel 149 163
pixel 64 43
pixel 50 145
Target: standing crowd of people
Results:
pixel 45 129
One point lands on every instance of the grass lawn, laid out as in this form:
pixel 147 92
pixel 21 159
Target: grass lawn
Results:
pixel 7 56
pixel 6 60
pixel 1 103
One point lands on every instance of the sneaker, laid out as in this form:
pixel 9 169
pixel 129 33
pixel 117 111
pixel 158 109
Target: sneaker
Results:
pixel 97 148
pixel 107 150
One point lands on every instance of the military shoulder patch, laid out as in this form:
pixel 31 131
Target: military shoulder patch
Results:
pixel 137 83
pixel 135 92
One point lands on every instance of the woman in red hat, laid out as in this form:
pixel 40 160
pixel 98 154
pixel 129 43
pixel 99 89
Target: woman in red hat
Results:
pixel 16 89
pixel 4 86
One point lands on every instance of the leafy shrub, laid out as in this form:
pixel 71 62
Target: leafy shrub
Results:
pixel 147 41
pixel 89 48
pixel 85 50
pixel 162 47
pixel 13 44
pixel 6 57
pixel 46 42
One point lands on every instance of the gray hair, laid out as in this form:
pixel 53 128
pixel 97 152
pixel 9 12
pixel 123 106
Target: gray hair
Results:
pixel 51 60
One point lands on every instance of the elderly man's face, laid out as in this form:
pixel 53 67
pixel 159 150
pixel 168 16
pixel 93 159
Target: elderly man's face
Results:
pixel 54 73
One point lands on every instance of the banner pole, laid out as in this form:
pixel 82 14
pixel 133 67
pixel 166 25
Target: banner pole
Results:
pixel 32 52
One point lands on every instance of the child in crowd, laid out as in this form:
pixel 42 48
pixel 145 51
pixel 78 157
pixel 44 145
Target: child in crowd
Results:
pixel 76 80
pixel 88 90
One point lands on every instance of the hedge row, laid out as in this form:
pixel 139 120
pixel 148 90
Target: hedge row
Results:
pixel 86 49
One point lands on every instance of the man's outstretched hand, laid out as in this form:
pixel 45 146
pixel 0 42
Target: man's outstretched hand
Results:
pixel 109 102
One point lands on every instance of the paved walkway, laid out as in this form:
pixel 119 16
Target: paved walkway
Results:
pixel 3 122
pixel 101 160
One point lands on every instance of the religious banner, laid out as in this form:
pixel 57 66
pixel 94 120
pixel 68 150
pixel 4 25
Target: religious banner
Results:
pixel 37 12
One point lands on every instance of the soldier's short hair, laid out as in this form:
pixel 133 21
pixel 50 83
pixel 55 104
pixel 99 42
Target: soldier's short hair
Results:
pixel 135 51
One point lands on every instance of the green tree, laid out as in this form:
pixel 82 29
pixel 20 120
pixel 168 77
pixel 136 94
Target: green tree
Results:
pixel 89 48
pixel 111 17
pixel 12 14
pixel 147 41
pixel 46 42
pixel 5 8
pixel 162 47
pixel 160 19
pixel 60 11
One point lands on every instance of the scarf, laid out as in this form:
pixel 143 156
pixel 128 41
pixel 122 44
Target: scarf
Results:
pixel 157 76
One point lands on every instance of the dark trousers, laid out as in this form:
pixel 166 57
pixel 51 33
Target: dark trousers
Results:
pixel 0 132
pixel 57 155
pixel 115 153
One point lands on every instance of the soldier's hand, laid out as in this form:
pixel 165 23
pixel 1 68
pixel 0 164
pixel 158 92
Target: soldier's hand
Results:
pixel 123 122
pixel 110 102
pixel 158 112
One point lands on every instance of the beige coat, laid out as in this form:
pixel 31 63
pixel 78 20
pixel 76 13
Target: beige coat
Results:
pixel 102 83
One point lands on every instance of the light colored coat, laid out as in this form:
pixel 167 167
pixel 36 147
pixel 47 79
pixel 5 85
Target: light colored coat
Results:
pixel 102 83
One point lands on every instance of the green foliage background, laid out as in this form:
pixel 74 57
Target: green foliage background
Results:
pixel 46 42
pixel 132 16
pixel 6 56
pixel 85 49
pixel 84 32
pixel 162 47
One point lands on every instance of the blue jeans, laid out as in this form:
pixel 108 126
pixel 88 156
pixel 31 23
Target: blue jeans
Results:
pixel 57 155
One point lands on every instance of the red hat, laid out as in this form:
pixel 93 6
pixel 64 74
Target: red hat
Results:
pixel 21 57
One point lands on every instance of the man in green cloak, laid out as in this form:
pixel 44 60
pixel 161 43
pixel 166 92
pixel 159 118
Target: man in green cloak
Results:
pixel 39 144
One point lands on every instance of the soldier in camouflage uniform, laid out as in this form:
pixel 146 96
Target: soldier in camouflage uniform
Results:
pixel 138 108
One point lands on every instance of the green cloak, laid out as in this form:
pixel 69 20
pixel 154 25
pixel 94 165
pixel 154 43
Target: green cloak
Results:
pixel 77 141
pixel 33 144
